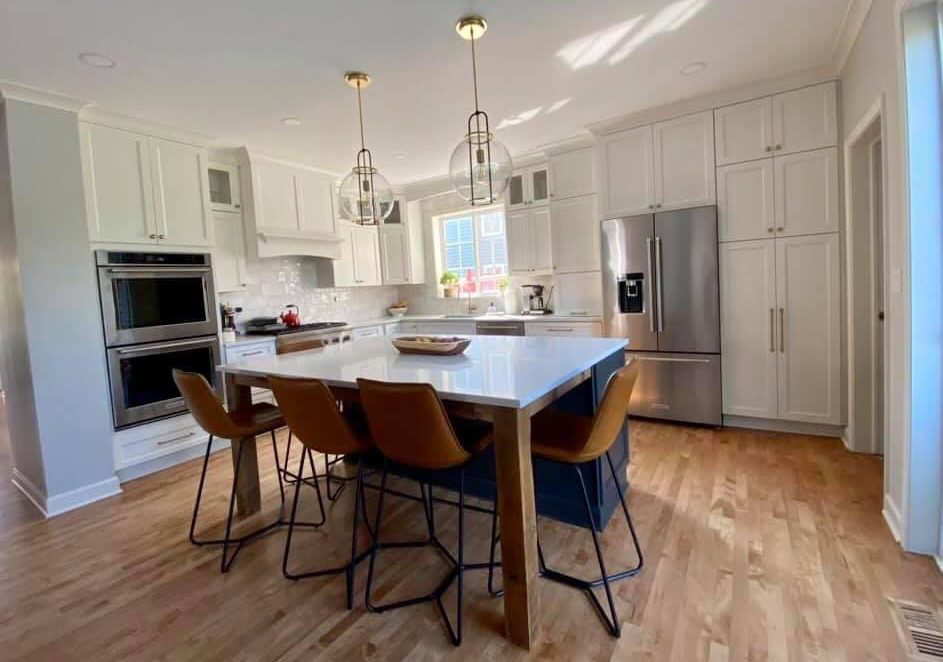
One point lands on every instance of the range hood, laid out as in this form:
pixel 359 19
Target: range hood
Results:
pixel 288 243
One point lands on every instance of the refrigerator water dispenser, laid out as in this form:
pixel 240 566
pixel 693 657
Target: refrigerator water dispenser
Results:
pixel 630 293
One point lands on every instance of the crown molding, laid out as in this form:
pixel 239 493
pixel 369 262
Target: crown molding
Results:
pixel 855 15
pixel 713 100
pixel 34 95
pixel 253 155
pixel 97 115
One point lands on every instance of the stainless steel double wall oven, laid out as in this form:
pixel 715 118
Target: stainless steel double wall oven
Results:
pixel 158 313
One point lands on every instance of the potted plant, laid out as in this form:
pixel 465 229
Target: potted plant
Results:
pixel 449 283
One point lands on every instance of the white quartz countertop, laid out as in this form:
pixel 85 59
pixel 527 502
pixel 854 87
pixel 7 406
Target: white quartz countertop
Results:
pixel 507 371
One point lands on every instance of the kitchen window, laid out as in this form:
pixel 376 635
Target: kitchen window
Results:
pixel 473 245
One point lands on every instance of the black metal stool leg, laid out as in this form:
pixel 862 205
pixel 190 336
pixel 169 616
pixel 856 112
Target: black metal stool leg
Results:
pixel 199 496
pixel 291 519
pixel 317 483
pixel 614 626
pixel 224 564
pixel 455 634
pixel 377 524
pixel 628 518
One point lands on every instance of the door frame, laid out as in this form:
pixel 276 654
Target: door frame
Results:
pixel 857 138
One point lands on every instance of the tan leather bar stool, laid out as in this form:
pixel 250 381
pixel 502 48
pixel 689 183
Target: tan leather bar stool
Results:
pixel 411 428
pixel 208 411
pixel 571 439
pixel 291 478
pixel 311 410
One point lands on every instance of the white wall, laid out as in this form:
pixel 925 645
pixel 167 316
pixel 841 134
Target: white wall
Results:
pixel 57 385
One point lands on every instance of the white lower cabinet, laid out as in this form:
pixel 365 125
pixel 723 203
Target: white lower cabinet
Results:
pixel 808 291
pixel 748 333
pixel 368 332
pixel 780 328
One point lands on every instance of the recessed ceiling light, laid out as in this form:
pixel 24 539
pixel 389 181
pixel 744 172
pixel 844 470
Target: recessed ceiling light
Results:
pixel 399 156
pixel 291 121
pixel 97 60
pixel 693 68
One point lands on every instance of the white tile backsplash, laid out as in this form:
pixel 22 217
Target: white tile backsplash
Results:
pixel 277 282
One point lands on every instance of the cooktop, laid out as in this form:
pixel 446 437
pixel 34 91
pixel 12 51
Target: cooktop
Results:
pixel 280 329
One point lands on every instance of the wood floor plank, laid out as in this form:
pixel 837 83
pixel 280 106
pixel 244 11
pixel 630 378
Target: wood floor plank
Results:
pixel 758 546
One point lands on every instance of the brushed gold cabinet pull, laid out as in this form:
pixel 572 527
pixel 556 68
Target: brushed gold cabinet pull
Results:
pixel 772 331
pixel 782 331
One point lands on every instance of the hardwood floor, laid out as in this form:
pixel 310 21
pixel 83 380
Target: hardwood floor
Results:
pixel 758 547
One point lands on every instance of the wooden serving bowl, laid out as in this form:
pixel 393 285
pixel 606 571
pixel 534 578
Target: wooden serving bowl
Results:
pixel 432 345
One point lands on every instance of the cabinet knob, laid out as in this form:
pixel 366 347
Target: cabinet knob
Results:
pixel 152 236
pixel 769 229
pixel 651 206
pixel 779 146
pixel 658 206
pixel 161 236
pixel 780 229
pixel 769 148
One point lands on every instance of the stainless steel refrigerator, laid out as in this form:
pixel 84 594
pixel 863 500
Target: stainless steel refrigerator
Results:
pixel 660 290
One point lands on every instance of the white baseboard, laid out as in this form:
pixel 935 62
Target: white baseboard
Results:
pixel 63 503
pixel 939 562
pixel 789 427
pixel 892 517
pixel 57 504
pixel 35 495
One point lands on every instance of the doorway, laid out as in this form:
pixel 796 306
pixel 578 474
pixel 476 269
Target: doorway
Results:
pixel 866 260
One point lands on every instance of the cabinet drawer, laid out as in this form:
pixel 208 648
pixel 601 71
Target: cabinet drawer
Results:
pixel 562 329
pixel 148 442
pixel 367 332
pixel 243 352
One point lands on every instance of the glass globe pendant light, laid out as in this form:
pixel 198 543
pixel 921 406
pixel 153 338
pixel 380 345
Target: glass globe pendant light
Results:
pixel 480 167
pixel 365 196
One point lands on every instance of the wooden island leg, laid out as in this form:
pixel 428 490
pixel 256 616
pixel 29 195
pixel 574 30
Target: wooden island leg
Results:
pixel 248 493
pixel 515 477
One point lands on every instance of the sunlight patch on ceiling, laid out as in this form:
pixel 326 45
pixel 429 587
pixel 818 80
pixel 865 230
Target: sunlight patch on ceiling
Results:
pixel 528 115
pixel 619 41
pixel 590 49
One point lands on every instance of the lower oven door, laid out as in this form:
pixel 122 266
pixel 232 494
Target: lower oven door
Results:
pixel 142 385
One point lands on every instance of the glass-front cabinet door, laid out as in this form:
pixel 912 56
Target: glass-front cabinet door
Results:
pixel 539 185
pixel 224 188
pixel 515 195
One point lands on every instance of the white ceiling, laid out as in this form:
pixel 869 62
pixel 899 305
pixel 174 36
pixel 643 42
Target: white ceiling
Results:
pixel 234 68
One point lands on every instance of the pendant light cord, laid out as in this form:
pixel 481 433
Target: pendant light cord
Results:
pixel 474 65
pixel 363 143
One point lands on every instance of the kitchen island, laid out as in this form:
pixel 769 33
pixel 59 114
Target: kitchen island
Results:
pixel 502 379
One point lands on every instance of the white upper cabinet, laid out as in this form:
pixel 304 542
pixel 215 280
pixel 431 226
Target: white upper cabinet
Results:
pixel 808 282
pixel 577 293
pixel 745 201
pixel 684 162
pixel 229 252
pixel 225 190
pixel 528 235
pixel 366 251
pixel 572 174
pixel 181 193
pixel 394 256
pixel 626 166
pixel 402 244
pixel 807 192
pixel 118 192
pixel 144 190
pixel 529 186
pixel 744 132
pixel 805 119
pixel 748 340
pixel 574 233
pixel 343 267
pixel 669 165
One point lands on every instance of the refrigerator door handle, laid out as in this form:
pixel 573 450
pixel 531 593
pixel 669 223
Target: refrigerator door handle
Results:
pixel 651 287
pixel 661 319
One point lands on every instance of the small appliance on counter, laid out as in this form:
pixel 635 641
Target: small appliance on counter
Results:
pixel 228 315
pixel 291 317
pixel 533 302
pixel 264 326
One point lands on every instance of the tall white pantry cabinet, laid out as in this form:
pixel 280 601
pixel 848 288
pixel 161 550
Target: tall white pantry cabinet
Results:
pixel 780 277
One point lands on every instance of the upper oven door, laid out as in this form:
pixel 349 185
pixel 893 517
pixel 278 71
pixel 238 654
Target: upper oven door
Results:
pixel 145 304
